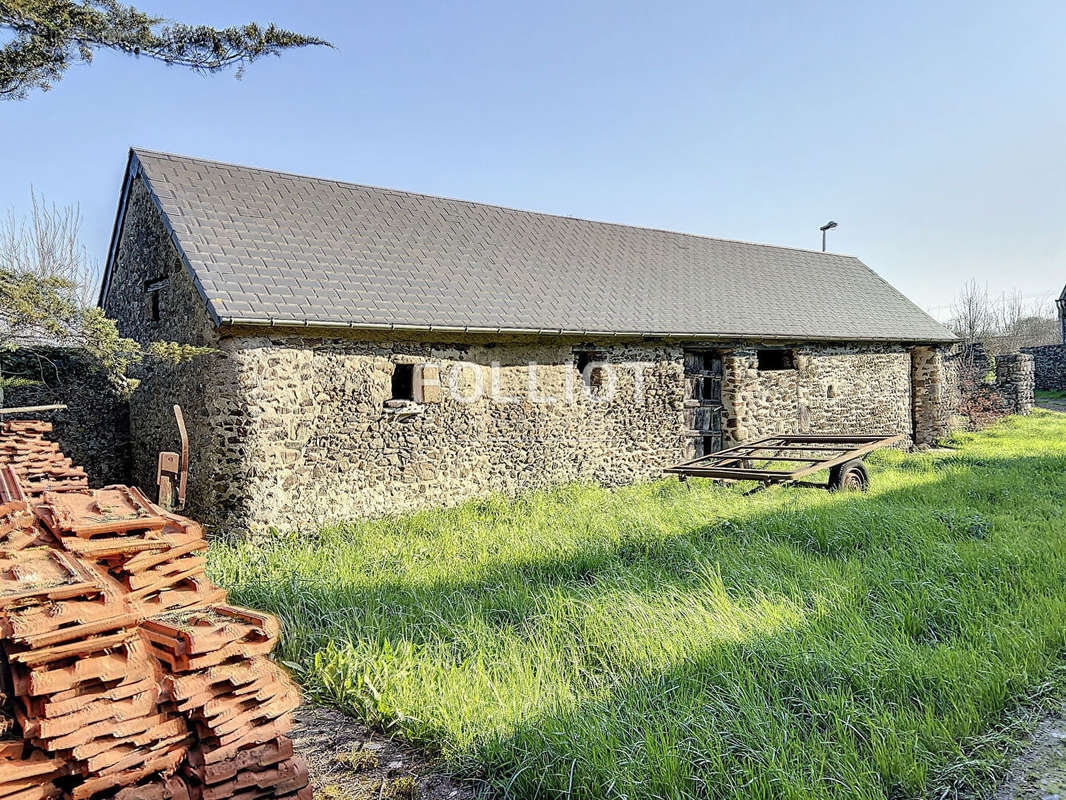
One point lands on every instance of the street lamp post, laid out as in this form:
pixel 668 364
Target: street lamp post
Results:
pixel 827 227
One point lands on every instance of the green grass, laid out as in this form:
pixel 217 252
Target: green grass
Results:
pixel 1051 395
pixel 669 641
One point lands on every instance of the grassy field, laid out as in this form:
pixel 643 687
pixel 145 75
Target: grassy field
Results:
pixel 1051 395
pixel 671 641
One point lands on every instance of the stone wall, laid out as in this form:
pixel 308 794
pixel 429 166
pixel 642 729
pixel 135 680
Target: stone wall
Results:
pixel 832 389
pixel 1050 367
pixel 295 432
pixel 145 259
pixel 94 428
pixel 1015 382
pixel 300 432
pixel 977 359
pixel 213 404
pixel 207 389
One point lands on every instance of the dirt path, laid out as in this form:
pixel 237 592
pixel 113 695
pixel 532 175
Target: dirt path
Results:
pixel 1052 405
pixel 1040 772
pixel 349 762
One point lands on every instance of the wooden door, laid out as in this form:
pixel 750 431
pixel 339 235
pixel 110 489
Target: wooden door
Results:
pixel 703 401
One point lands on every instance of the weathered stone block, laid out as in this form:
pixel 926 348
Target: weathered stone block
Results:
pixel 427 384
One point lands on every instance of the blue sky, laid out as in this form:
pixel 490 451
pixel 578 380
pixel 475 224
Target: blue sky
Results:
pixel 933 132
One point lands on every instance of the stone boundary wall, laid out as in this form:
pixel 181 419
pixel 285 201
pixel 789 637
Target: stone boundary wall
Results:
pixel 1050 367
pixel 94 429
pixel 976 358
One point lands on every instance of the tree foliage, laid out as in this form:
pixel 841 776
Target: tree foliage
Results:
pixel 47 286
pixel 50 35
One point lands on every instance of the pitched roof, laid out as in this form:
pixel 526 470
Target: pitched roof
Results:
pixel 268 247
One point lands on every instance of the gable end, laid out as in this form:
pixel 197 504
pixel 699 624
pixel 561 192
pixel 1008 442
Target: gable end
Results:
pixel 148 287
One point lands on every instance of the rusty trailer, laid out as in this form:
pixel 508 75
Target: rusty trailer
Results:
pixel 788 459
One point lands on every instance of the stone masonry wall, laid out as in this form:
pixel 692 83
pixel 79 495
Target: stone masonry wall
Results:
pixel 1050 367
pixel 833 389
pixel 316 440
pixel 298 432
pixel 146 255
pixel 94 428
pixel 206 388
pixel 213 404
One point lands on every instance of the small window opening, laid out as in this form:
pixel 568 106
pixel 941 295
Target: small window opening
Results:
pixel 776 360
pixel 584 358
pixel 154 288
pixel 403 382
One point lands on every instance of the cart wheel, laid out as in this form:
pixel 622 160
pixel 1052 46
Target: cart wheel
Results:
pixel 849 477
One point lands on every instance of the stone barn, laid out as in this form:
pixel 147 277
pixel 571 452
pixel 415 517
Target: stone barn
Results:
pixel 378 351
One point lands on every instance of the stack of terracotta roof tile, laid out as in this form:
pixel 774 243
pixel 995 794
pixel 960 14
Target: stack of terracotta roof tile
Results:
pixel 126 674
pixel 241 704
pixel 38 462
pixel 26 773
pixel 156 556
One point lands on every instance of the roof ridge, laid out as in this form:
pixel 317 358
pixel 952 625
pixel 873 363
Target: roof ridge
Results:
pixel 498 206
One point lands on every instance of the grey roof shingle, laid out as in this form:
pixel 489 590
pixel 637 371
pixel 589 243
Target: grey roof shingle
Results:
pixel 270 247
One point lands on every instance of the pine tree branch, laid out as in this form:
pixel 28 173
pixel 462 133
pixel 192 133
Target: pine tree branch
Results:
pixel 50 35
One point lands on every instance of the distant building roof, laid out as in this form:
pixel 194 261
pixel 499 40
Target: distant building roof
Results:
pixel 272 248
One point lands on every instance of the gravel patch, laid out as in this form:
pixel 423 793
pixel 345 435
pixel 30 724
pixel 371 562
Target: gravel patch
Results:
pixel 1039 773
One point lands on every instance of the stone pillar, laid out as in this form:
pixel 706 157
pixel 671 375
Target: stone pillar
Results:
pixel 1016 381
pixel 740 379
pixel 935 393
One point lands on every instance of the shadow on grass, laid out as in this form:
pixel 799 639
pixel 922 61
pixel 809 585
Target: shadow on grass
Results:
pixel 783 545
pixel 948 632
